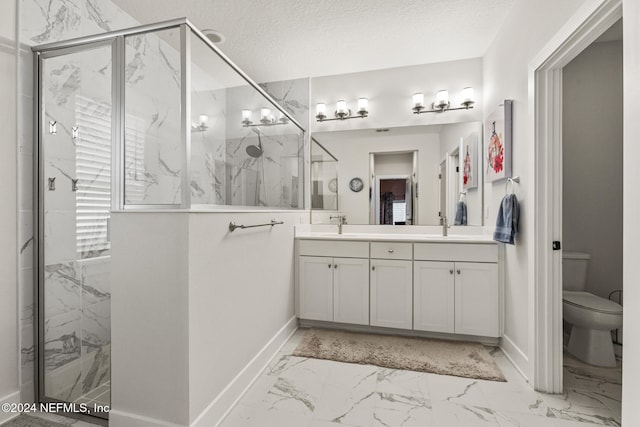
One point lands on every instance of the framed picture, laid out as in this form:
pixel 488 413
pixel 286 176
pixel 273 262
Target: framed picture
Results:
pixel 469 153
pixel 498 135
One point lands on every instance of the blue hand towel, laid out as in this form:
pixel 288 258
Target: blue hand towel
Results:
pixel 507 222
pixel 461 214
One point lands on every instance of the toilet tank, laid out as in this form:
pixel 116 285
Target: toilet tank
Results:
pixel 574 271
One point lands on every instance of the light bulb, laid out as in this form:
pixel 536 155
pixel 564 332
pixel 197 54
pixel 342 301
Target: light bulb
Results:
pixel 363 103
pixel 418 99
pixel 246 115
pixel 341 107
pixel 203 118
pixel 467 94
pixel 442 97
pixel 321 109
pixel 265 114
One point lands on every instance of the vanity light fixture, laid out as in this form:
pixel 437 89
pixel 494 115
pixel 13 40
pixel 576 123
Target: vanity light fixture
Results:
pixel 266 118
pixel 202 124
pixel 342 111
pixel 442 103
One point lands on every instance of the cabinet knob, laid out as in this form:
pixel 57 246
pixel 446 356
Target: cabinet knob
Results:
pixel 335 265
pixel 451 271
pixel 390 251
pixel 373 268
pixel 458 271
pixel 329 265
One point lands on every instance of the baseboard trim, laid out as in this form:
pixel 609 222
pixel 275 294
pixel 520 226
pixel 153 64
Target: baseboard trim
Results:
pixel 13 398
pixel 220 407
pixel 119 418
pixel 392 331
pixel 516 356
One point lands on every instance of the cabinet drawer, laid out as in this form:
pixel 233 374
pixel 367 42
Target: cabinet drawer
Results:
pixel 333 248
pixel 474 252
pixel 391 250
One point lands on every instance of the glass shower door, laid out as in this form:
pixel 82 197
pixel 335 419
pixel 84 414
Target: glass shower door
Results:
pixel 75 157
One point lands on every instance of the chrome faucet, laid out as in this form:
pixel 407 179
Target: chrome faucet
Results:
pixel 342 219
pixel 445 227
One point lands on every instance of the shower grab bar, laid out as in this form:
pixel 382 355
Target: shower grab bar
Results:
pixel 233 225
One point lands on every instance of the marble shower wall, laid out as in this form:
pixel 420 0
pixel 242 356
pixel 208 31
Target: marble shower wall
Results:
pixel 222 172
pixel 153 142
pixel 271 180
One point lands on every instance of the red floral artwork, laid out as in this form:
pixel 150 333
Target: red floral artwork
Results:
pixel 467 168
pixel 496 151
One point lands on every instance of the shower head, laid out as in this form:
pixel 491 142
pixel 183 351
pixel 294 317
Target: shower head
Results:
pixel 253 150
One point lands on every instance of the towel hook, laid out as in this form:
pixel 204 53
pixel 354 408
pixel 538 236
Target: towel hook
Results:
pixel 513 180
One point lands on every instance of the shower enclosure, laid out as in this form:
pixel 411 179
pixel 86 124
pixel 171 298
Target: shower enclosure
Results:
pixel 153 117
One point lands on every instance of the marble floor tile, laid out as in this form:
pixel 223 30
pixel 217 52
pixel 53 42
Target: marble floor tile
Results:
pixel 351 407
pixel 321 393
pixel 404 383
pixel 463 415
pixel 394 410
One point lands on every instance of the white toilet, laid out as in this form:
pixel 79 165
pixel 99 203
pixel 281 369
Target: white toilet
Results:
pixel 592 317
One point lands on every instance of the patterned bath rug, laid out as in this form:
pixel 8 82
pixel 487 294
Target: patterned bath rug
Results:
pixel 461 359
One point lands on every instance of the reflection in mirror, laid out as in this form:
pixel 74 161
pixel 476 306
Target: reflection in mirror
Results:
pixel 393 182
pixel 324 178
pixel 425 168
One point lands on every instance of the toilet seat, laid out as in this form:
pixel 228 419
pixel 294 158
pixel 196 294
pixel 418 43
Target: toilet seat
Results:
pixel 589 301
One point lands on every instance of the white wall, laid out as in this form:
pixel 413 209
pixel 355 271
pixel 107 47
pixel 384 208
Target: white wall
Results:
pixel 592 162
pixel 394 164
pixel 241 294
pixel 149 318
pixel 197 311
pixel 528 27
pixel 352 150
pixel 390 91
pixel 9 373
pixel 631 238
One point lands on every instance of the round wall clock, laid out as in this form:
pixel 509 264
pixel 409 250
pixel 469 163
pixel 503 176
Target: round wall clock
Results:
pixel 333 185
pixel 356 185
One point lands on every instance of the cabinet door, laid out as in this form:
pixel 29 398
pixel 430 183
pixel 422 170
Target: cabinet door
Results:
pixel 351 290
pixel 316 288
pixel 391 293
pixel 433 296
pixel 477 300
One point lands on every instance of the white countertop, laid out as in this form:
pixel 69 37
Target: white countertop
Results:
pixel 390 237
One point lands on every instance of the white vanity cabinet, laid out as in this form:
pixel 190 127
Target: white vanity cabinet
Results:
pixel 391 285
pixel 456 289
pixel 450 287
pixel 334 281
pixel 433 296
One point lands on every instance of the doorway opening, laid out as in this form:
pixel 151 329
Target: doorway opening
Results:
pixel 592 144
pixel 546 77
pixel 393 175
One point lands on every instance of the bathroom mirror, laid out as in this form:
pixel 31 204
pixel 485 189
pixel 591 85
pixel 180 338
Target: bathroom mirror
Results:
pixel 411 175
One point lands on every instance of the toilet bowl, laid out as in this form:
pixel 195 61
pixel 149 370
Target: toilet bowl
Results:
pixel 592 317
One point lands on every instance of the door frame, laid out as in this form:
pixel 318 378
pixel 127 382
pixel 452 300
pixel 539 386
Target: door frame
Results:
pixel 39 191
pixel 545 117
pixel 376 192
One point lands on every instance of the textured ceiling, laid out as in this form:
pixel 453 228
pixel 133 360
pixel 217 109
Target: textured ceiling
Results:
pixel 285 39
